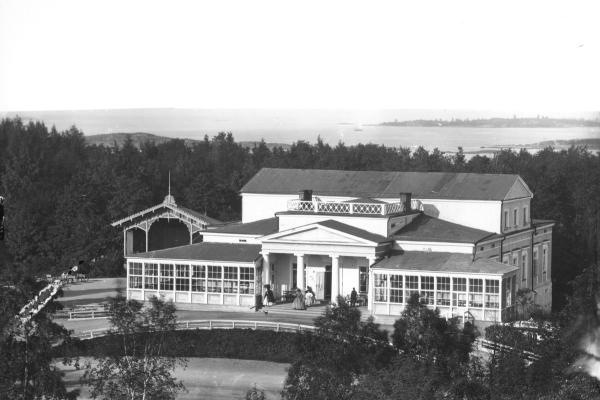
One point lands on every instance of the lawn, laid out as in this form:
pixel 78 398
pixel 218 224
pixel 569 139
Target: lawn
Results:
pixel 213 378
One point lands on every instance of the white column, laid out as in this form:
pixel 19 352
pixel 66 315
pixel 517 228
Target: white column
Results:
pixel 266 268
pixel 147 231
pixel 300 271
pixel 191 232
pixel 335 277
pixel 370 291
pixel 125 242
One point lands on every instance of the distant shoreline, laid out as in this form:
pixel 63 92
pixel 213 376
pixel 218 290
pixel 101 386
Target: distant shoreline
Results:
pixel 537 122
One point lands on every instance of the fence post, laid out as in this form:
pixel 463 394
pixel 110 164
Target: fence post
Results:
pixel 278 327
pixel 210 324
pixel 232 324
pixel 92 315
pixel 91 334
pixel 255 325
pixel 187 324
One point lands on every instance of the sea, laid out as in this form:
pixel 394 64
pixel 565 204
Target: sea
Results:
pixel 332 126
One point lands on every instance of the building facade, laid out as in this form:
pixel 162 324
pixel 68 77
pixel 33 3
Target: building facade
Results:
pixel 465 242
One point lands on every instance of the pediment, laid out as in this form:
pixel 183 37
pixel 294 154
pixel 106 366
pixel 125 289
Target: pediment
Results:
pixel 315 234
pixel 518 190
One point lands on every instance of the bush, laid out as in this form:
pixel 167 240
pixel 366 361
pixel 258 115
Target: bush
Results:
pixel 244 344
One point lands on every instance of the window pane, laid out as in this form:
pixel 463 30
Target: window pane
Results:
pixel 459 284
pixel 476 285
pixel 151 269
pixel 166 269
pixel 363 280
pixel 198 271
pixel 135 282
pixel 182 271
pixel 492 286
pixel 182 284
pixel 443 283
pixel 135 268
pixel 151 283
pixel 166 283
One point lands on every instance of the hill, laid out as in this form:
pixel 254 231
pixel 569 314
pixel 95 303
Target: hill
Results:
pixel 111 139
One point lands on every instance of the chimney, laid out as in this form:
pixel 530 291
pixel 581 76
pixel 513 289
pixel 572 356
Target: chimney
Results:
pixel 406 198
pixel 305 195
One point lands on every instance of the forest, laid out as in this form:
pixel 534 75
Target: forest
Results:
pixel 61 194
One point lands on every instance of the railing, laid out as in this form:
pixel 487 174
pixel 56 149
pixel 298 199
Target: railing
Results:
pixel 82 313
pixel 334 207
pixel 489 347
pixel 210 324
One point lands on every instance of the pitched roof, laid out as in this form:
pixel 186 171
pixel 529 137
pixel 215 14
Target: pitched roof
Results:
pixel 351 230
pixel 429 229
pixel 442 262
pixel 382 184
pixel 168 204
pixel 260 228
pixel 207 251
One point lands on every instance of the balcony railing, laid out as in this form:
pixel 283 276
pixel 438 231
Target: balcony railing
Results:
pixel 317 206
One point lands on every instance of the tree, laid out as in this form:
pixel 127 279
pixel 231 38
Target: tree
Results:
pixel 139 366
pixel 421 332
pixel 26 367
pixel 333 360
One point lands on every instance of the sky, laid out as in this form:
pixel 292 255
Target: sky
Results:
pixel 480 55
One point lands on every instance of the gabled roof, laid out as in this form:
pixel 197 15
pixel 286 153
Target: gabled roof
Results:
pixel 383 184
pixel 168 205
pixel 206 252
pixel 442 262
pixel 429 229
pixel 259 228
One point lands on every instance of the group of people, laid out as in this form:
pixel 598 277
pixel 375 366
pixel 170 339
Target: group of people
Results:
pixel 301 301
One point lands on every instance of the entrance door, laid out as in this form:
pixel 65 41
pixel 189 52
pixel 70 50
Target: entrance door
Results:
pixel 327 288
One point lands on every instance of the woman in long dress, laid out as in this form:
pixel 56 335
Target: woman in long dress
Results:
pixel 299 301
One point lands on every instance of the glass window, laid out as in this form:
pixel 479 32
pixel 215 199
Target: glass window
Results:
pixel 475 290
pixel 524 216
pixel 544 258
pixel 524 265
pixel 166 269
pixel 396 291
pixel 230 283
pixel 198 278
pixel 135 268
pixel 427 287
pixel 246 280
pixel 363 285
pixel 182 280
pixel 214 283
pixel 380 286
pixel 535 261
pixel 459 297
pixel 151 269
pixel 166 277
pixel 459 284
pixel 443 291
pixel 135 282
pixel 151 282
pixel 515 217
pixel 412 285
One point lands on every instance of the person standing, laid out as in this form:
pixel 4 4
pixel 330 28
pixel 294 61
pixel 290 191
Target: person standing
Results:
pixel 299 301
pixel 353 297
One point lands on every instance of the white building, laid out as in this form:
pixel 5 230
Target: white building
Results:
pixel 465 242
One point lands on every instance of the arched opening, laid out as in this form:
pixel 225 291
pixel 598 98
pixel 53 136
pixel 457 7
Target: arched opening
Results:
pixel 166 233
pixel 135 241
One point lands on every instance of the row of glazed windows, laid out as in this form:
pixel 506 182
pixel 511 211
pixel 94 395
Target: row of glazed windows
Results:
pixel 440 290
pixel 195 278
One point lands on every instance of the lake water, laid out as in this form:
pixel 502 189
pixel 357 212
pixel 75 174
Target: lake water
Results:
pixel 287 126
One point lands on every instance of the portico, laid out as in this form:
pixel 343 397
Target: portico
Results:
pixel 330 257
